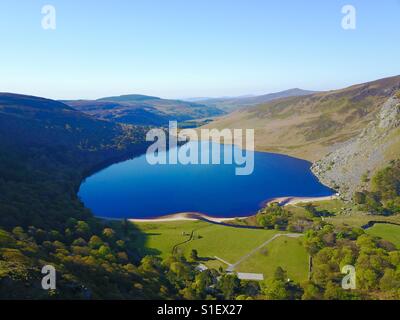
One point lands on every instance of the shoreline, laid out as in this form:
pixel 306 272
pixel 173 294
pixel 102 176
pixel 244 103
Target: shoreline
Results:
pixel 196 216
pixel 286 201
pixel 186 216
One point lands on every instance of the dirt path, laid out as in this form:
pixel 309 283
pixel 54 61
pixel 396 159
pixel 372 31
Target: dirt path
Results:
pixel 223 261
pixel 181 243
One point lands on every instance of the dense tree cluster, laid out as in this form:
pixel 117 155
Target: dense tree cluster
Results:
pixel 376 264
pixel 273 216
pixel 384 196
pixel 376 261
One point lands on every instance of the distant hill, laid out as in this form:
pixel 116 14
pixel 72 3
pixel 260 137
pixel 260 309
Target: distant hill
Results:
pixel 144 110
pixel 230 104
pixel 37 121
pixel 129 98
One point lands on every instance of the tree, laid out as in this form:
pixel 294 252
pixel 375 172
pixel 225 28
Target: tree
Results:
pixel 359 198
pixel 273 216
pixel 311 210
pixel 276 290
pixel 104 251
pixel 333 292
pixel 229 285
pixel 109 233
pixel 311 292
pixel 390 280
pixel 181 270
pixel 203 281
pixel 95 242
pixel 194 255
pixel 280 274
pixel 82 228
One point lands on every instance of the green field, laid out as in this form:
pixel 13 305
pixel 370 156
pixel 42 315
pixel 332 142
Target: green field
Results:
pixel 231 244
pixel 227 243
pixel 284 252
pixel 210 240
pixel 388 232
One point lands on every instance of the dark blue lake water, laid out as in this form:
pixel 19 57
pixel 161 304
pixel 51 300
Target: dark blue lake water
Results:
pixel 136 189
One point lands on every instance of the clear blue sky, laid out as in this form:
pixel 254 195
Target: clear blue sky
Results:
pixel 192 48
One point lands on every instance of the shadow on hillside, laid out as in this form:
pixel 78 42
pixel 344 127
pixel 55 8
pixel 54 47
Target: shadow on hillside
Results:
pixel 141 242
pixel 137 238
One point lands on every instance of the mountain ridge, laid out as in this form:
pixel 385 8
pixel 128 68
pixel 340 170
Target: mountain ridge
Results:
pixel 230 104
pixel 144 110
pixel 295 125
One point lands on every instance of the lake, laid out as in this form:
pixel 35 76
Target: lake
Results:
pixel 136 189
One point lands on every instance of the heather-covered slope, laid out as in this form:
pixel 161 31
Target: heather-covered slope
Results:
pixel 309 127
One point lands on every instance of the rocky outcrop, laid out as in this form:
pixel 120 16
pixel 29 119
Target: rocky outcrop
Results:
pixel 349 164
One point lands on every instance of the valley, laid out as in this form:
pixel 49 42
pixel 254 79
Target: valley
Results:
pixel 48 148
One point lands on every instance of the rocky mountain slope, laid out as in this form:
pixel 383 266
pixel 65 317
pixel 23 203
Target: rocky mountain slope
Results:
pixel 355 161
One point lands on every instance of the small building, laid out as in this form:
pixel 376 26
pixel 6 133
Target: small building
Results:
pixel 250 276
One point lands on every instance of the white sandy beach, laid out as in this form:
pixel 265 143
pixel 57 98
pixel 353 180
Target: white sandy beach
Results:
pixel 189 216
pixel 192 216
pixel 286 201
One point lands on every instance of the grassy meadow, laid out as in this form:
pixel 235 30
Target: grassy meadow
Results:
pixel 230 244
pixel 386 231
pixel 288 253
pixel 227 243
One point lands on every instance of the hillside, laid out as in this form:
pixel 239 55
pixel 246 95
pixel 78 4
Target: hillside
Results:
pixel 46 149
pixel 351 131
pixel 53 147
pixel 308 127
pixel 144 110
pixel 236 103
pixel 356 160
